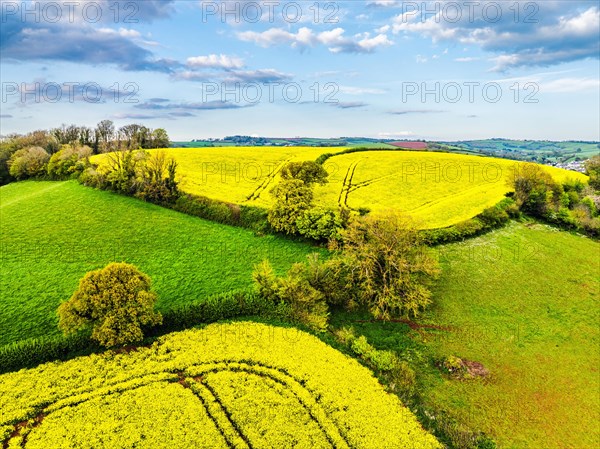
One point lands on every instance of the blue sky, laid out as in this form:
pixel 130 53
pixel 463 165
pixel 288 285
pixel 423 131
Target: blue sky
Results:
pixel 409 70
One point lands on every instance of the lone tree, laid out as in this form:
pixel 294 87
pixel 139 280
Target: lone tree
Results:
pixel 294 194
pixel 115 301
pixel 391 267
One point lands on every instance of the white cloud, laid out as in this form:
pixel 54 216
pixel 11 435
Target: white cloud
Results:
pixel 396 135
pixel 352 90
pixel 568 37
pixel 335 40
pixel 467 59
pixel 383 3
pixel 566 85
pixel 123 32
pixel 216 61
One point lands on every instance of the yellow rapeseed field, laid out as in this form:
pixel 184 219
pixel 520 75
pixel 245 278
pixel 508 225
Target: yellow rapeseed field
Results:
pixel 240 175
pixel 436 189
pixel 228 385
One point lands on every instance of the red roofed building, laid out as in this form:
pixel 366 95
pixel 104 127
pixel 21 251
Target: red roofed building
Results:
pixel 410 145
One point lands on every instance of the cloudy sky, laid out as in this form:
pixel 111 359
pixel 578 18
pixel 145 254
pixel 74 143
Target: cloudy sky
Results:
pixel 424 70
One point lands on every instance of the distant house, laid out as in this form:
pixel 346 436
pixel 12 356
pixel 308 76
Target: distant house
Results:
pixel 410 145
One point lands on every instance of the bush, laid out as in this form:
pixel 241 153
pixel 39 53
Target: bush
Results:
pixel 360 346
pixel 536 192
pixel 403 379
pixel 115 302
pixel 490 218
pixel 393 268
pixel 28 163
pixel 345 335
pixel 320 224
pixel 334 278
pixel 306 303
pixel 29 353
pixel 156 178
pixel 401 376
pixel 454 365
pixel 68 162
pixel 590 204
pixel 493 217
pixel 592 168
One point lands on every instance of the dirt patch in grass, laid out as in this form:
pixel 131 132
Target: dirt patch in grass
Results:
pixel 475 369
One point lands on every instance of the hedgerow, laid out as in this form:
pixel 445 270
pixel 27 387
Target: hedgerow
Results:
pixel 32 352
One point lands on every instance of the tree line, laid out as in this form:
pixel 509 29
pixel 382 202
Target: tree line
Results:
pixel 104 138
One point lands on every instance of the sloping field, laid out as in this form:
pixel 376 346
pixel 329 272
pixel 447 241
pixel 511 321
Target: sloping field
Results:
pixel 242 385
pixel 52 233
pixel 241 175
pixel 436 189
pixel 523 301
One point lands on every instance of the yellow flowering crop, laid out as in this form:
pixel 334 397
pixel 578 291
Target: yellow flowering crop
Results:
pixel 228 385
pixel 240 175
pixel 436 189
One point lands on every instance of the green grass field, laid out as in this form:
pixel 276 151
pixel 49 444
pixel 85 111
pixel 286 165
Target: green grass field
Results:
pixel 52 233
pixel 523 301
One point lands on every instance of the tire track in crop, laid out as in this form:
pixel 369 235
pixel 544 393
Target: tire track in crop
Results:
pixel 226 427
pixel 347 185
pixel 263 185
pixel 337 439
pixel 222 421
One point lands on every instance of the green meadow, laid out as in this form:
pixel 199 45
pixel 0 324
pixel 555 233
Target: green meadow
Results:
pixel 53 233
pixel 524 302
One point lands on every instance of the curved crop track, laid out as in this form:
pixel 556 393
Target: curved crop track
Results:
pixel 238 385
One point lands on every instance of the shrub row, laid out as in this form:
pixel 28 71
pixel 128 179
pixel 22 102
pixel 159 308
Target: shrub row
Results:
pixel 32 352
pixel 324 157
pixel 491 218
pixel 251 217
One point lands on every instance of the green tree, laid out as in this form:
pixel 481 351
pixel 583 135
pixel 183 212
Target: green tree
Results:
pixel 122 170
pixel 105 133
pixel 68 160
pixel 294 196
pixel 592 168
pixel 536 192
pixel 115 302
pixel 391 267
pixel 306 302
pixel 308 172
pixel 292 199
pixel 28 163
pixel 157 178
pixel 321 224
pixel 160 139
